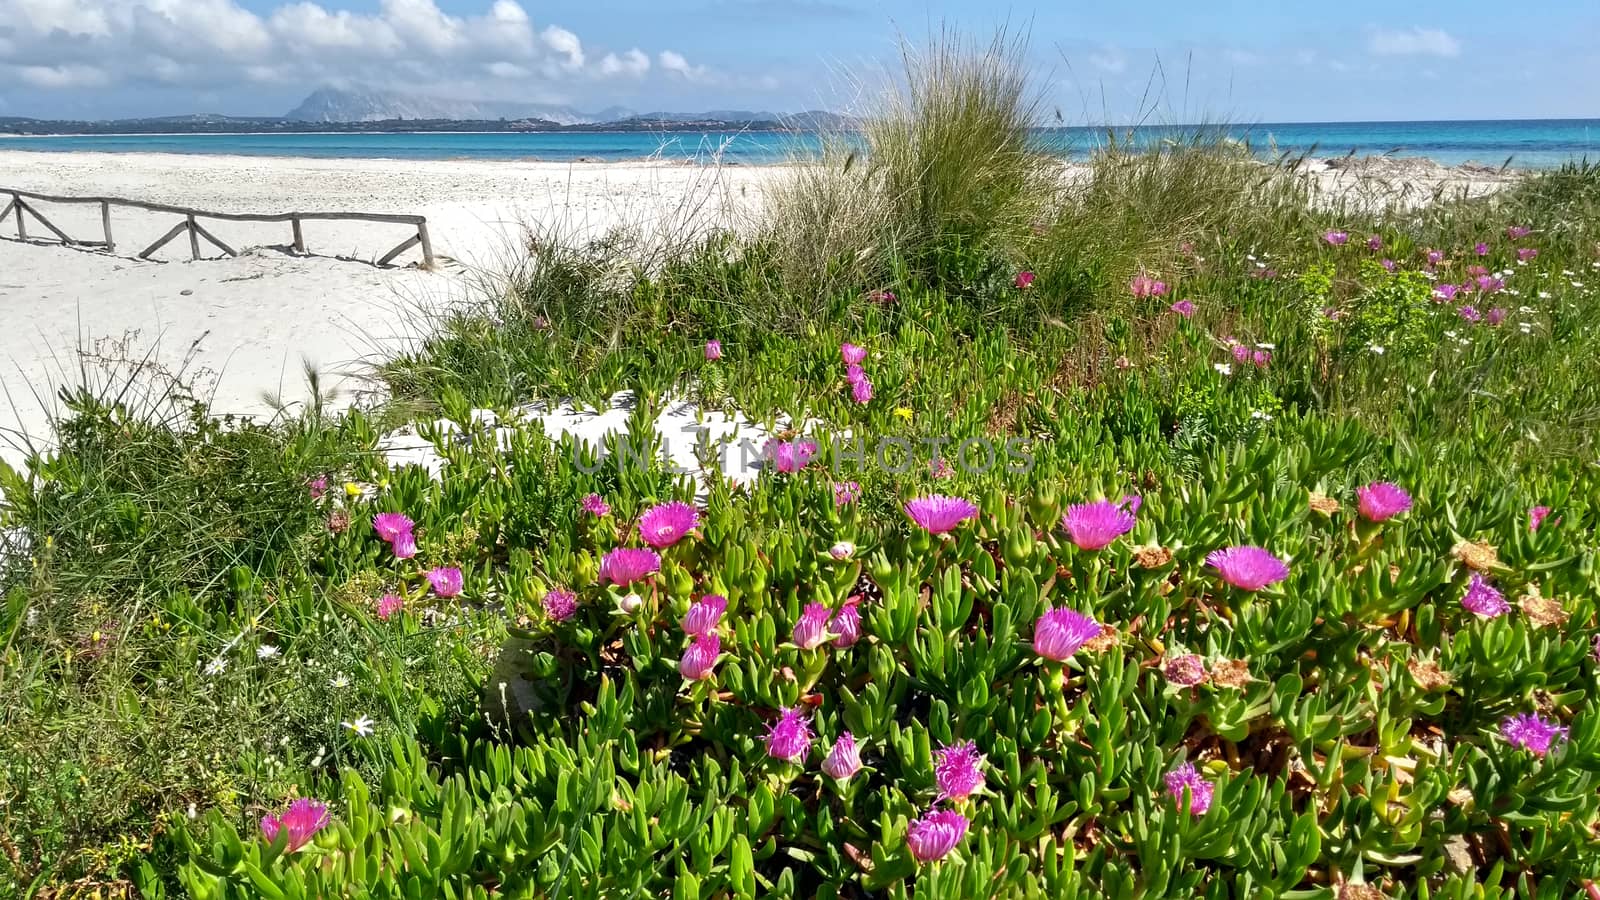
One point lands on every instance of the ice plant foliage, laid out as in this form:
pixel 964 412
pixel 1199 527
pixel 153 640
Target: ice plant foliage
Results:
pixel 790 738
pixel 664 525
pixel 1248 568
pixel 626 565
pixel 1532 732
pixel 1059 633
pixel 1482 599
pixel 958 770
pixel 844 760
pixel 1187 777
pixel 932 837
pixel 300 823
pixel 445 581
pixel 1093 526
pixel 939 514
pixel 705 615
pixel 1382 500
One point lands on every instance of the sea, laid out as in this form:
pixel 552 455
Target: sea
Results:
pixel 1522 143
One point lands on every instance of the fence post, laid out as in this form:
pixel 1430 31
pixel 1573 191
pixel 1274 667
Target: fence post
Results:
pixel 427 245
pixel 194 240
pixel 105 220
pixel 22 225
pixel 299 239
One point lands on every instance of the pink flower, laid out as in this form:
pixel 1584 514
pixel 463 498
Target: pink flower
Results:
pixel 302 820
pixel 844 760
pixel 940 468
pixel 845 492
pixel 391 525
pixel 560 604
pixel 851 354
pixel 1481 249
pixel 881 296
pixel 861 391
pixel 388 605
pixel 1261 358
pixel 1389 265
pixel 1532 732
pixel 596 506
pixel 1183 308
pixel 1434 257
pixel 705 615
pixel 1186 670
pixel 790 457
pixel 318 486
pixel 939 514
pixel 1536 517
pixel 1382 500
pixel 1143 286
pixel 446 582
pixel 1496 316
pixel 700 658
pixel 1527 253
pixel 1336 238
pixel 1374 243
pixel 1248 568
pixel 957 769
pixel 626 565
pixel 811 630
pixel 662 526
pixel 790 738
pixel 1483 600
pixel 846 623
pixel 405 545
pixel 1469 313
pixel 854 373
pixel 1093 526
pixel 932 837
pixel 713 350
pixel 1241 353
pixel 1518 232
pixel 1445 293
pixel 1059 633
pixel 1200 790
pixel 1024 280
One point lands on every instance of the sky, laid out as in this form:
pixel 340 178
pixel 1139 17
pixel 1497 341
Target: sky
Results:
pixel 1098 62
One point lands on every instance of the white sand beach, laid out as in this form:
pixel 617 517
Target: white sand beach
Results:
pixel 250 321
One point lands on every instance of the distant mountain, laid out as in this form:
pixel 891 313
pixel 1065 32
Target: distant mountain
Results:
pixel 363 105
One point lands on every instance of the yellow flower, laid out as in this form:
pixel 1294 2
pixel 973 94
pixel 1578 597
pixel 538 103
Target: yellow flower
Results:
pixel 903 412
pixel 352 489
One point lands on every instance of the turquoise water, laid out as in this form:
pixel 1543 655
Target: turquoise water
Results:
pixel 1526 143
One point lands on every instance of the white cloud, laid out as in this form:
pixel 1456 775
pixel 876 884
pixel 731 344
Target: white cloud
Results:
pixel 1413 42
pixel 635 62
pixel 565 43
pixel 1109 60
pixel 70 76
pixel 673 61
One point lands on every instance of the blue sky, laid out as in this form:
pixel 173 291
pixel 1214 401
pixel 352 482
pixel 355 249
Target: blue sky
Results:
pixel 1094 61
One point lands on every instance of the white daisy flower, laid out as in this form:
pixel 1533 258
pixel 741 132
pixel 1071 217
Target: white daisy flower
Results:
pixel 362 726
pixel 1224 368
pixel 1376 349
pixel 267 651
pixel 216 666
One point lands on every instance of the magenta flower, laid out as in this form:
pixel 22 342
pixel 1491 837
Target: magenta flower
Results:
pixel 626 565
pixel 560 604
pixel 1532 732
pixel 1024 280
pixel 939 514
pixel 662 526
pixel 851 354
pixel 940 468
pixel 302 820
pixel 1248 568
pixel 317 486
pixel 881 296
pixel 1143 286
pixel 1374 243
pixel 1337 238
pixel 854 373
pixel 1200 790
pixel 861 391
pixel 790 738
pixel 1389 265
pixel 1186 670
pixel 1483 600
pixel 1434 257
pixel 1382 500
pixel 1476 270
pixel 846 623
pixel 1241 353
pixel 1183 308
pixel 932 837
pixel 700 658
pixel 846 492
pixel 844 760
pixel 1445 293
pixel 713 350
pixel 1527 253
pixel 704 615
pixel 1496 316
pixel 404 545
pixel 811 630
pixel 596 506
pixel 1536 517
pixel 1093 526
pixel 1059 633
pixel 1469 313
pixel 1518 232
pixel 1481 249
pixel 1260 358
pixel 388 605
pixel 446 582
pixel 391 525
pixel 790 457
pixel 957 769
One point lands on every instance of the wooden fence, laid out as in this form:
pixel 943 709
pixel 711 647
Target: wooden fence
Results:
pixel 20 206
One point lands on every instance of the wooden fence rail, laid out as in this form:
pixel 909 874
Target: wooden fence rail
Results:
pixel 22 208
